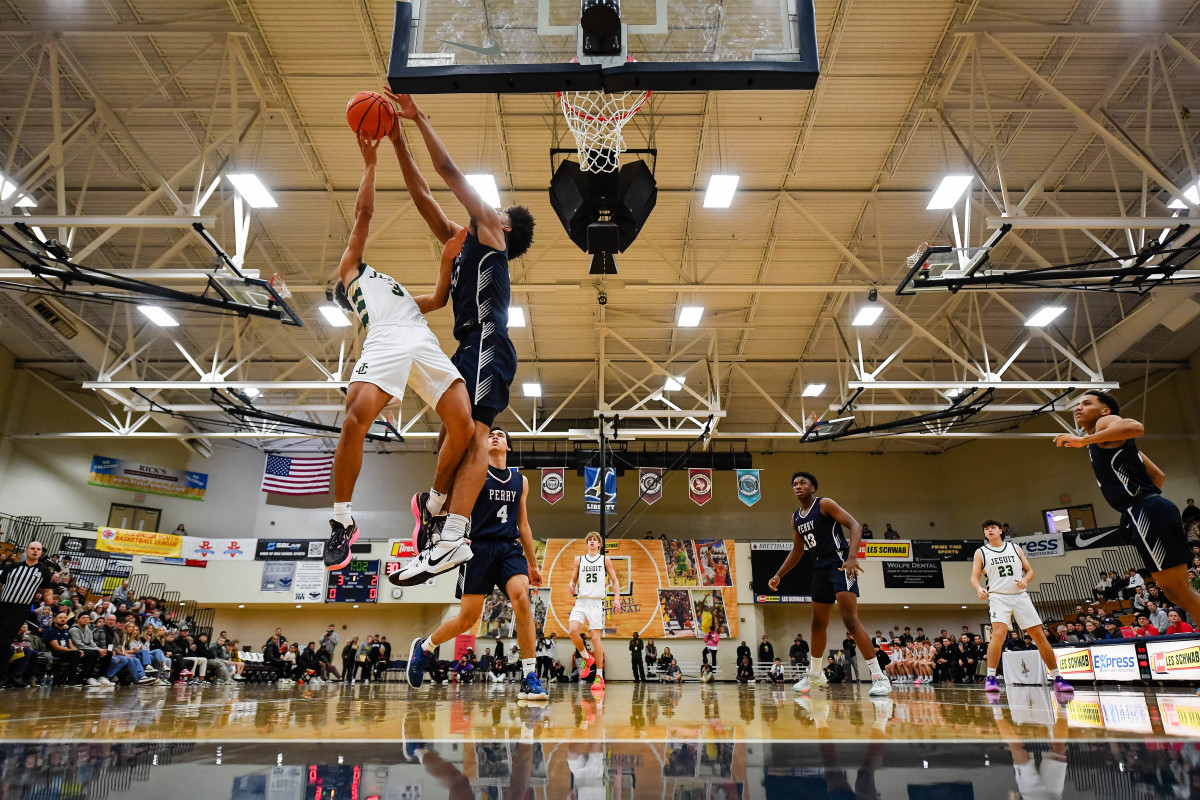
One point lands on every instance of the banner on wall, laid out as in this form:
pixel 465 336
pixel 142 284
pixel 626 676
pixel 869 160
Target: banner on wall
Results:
pixel 945 549
pixel 1043 545
pixel 886 550
pixel 308 581
pixel 1092 537
pixel 277 576
pixel 200 549
pixel 174 562
pixel 554 484
pixel 1174 660
pixel 650 484
pixel 138 543
pixel 117 473
pixel 748 486
pixel 700 485
pixel 288 549
pixel 591 490
pixel 913 575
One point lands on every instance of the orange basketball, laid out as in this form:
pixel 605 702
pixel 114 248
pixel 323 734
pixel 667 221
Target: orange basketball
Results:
pixel 370 114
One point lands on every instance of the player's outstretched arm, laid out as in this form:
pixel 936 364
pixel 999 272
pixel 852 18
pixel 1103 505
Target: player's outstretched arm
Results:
pixel 487 221
pixel 364 209
pixel 1110 429
pixel 831 509
pixel 418 188
pixel 535 574
pixel 976 572
pixel 441 292
pixel 792 560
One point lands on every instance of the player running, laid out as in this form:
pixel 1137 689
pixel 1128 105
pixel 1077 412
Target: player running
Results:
pixel 1132 484
pixel 476 284
pixel 817 525
pixel 588 586
pixel 1008 575
pixel 504 558
pixel 399 350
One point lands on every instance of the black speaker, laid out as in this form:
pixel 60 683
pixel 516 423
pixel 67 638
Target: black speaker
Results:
pixel 603 211
pixel 568 187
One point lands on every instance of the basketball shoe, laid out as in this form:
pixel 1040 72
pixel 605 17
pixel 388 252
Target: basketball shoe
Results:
pixel 418 662
pixel 587 668
pixel 443 556
pixel 1062 687
pixel 880 687
pixel 337 546
pixel 991 684
pixel 598 684
pixel 531 689
pixel 810 680
pixel 426 523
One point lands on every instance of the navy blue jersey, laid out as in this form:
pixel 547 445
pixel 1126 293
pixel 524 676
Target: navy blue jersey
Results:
pixel 479 288
pixel 495 512
pixel 1121 474
pixel 821 534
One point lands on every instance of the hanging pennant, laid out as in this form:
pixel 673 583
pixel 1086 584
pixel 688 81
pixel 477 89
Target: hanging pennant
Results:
pixel 650 484
pixel 700 485
pixel 749 489
pixel 553 484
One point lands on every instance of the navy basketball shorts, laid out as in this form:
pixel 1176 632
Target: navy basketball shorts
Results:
pixel 829 579
pixel 494 563
pixel 487 361
pixel 1154 526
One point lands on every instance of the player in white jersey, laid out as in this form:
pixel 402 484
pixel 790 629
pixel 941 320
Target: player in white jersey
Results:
pixel 589 773
pixel 588 586
pixel 399 350
pixel 1008 573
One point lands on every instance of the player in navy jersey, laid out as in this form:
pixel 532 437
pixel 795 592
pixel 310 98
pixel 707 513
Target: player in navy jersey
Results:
pixel 476 283
pixel 502 543
pixel 818 526
pixel 1132 484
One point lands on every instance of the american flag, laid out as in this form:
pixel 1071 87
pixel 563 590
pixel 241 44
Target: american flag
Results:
pixel 284 475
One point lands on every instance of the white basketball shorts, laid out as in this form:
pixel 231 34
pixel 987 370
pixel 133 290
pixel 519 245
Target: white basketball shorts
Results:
pixel 395 356
pixel 1004 608
pixel 588 612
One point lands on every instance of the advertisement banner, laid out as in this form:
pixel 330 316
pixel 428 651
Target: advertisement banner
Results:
pixel 913 575
pixel 76 545
pixel 1174 660
pixel 116 473
pixel 591 490
pixel 765 560
pixel 401 548
pixel 1180 714
pixel 748 486
pixel 1074 662
pixel 650 484
pixel 1126 712
pixel 277 576
pixel 1042 545
pixel 308 581
pixel 1093 537
pixel 288 549
pixel 1115 662
pixel 138 543
pixel 700 485
pixel 174 562
pixel 200 549
pixel 554 484
pixel 944 549
pixel 887 550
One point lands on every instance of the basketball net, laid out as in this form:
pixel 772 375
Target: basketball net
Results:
pixel 596 119
pixel 915 257
pixel 279 286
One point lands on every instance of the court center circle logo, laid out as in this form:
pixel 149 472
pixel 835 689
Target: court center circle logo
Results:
pixel 748 484
pixel 700 484
pixel 552 483
pixel 651 483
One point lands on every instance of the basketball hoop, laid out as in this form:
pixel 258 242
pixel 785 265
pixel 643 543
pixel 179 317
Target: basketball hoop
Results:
pixel 916 257
pixel 596 120
pixel 280 287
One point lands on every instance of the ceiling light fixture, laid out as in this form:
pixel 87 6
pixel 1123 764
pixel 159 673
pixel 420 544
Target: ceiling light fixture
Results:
pixel 486 186
pixel 532 389
pixel 867 316
pixel 721 189
pixel 334 316
pixel 948 191
pixel 1192 193
pixel 159 316
pixel 516 317
pixel 813 390
pixel 7 187
pixel 1044 316
pixel 689 316
pixel 251 392
pixel 674 383
pixel 252 190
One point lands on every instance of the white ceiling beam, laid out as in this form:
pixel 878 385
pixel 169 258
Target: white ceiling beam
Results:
pixel 626 435
pixel 68 28
pixel 1084 223
pixel 1122 29
pixel 1015 385
pixel 72 221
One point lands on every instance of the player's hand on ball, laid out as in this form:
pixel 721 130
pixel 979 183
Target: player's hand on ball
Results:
pixel 774 583
pixel 982 593
pixel 1068 440
pixel 406 107
pixel 369 149
pixel 851 567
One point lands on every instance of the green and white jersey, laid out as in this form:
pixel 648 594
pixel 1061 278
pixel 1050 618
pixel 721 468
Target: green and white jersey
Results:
pixel 379 299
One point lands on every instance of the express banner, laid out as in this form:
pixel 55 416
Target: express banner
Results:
pixel 700 485
pixel 138 543
pixel 650 484
pixel 117 473
pixel 554 484
pixel 1044 545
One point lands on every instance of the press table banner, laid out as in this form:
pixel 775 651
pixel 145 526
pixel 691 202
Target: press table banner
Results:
pixel 945 549
pixel 117 473
pixel 886 550
pixel 288 549
pixel 138 543
pixel 913 575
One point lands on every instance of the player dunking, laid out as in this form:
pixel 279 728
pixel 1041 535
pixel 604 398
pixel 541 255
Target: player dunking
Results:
pixel 399 349
pixel 588 585
pixel 504 557
pixel 1008 575
pixel 817 525
pixel 477 286
pixel 1132 484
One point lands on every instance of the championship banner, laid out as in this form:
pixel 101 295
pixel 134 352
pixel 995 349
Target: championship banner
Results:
pixel 288 549
pixel 913 575
pixel 669 589
pixel 650 484
pixel 886 550
pixel 554 484
pixel 1043 545
pixel 748 486
pixel 116 473
pixel 591 490
pixel 138 543
pixel 200 549
pixel 700 485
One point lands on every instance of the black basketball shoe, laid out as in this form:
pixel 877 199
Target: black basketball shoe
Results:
pixel 337 546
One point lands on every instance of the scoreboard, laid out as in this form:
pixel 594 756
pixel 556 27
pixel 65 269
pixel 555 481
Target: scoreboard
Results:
pixel 357 582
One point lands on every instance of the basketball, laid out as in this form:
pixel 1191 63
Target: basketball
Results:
pixel 370 114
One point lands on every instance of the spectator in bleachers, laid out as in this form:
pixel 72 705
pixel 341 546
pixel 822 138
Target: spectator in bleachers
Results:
pixel 78 665
pixel 1102 587
pixel 706 673
pixel 1176 625
pixel 309 665
pixel 85 642
pixel 766 653
pixel 22 660
pixel 385 658
pixel 121 594
pixel 218 654
pixel 673 673
pixel 1154 592
pixel 1132 582
pixel 891 533
pixel 1144 628
pixel 348 653
pixel 463 670
pixel 1139 599
pixel 1190 513
pixel 652 658
pixel 775 673
pixel 665 659
pixel 943 662
pixel 867 533
pixel 1110 630
pixel 833 670
pixel 291 665
pixel 745 670
pixel 1015 642
pixel 743 651
pixel 798 652
pixel 1158 617
pixel 1090 629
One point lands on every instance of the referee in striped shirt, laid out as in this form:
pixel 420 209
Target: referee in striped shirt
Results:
pixel 20 582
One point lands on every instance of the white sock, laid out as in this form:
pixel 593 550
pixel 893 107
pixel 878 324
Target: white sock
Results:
pixel 991 672
pixel 873 665
pixel 582 655
pixel 455 528
pixel 341 513
pixel 435 502
pixel 528 665
pixel 428 645
pixel 1054 673
pixel 600 673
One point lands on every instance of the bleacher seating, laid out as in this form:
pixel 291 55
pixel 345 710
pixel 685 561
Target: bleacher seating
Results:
pixel 257 670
